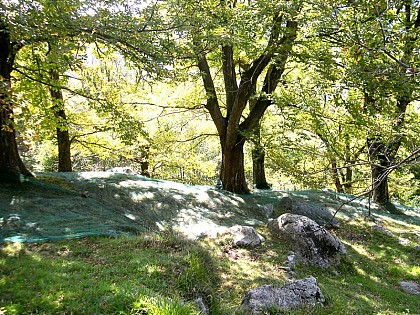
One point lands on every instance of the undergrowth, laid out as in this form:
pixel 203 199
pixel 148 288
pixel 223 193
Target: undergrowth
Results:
pixel 164 274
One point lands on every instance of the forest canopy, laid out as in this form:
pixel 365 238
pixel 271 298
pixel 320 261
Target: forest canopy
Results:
pixel 282 94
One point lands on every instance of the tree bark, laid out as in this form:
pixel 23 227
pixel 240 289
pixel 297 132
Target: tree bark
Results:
pixel 258 162
pixel 336 176
pixel 63 138
pixel 233 172
pixel 11 165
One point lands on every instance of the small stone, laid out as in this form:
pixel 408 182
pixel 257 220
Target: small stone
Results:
pixel 403 241
pixel 267 210
pixel 199 303
pixel 245 236
pixel 410 287
pixel 382 230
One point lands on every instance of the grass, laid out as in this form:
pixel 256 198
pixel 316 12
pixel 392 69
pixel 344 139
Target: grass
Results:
pixel 163 274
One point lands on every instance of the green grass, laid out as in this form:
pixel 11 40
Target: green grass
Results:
pixel 165 274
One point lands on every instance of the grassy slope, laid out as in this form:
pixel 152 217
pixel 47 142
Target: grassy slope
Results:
pixel 163 274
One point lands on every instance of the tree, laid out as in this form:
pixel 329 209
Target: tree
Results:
pixel 25 23
pixel 11 165
pixel 63 138
pixel 246 41
pixel 377 44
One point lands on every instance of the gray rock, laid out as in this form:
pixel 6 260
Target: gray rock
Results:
pixel 267 210
pixel 311 243
pixel 410 287
pixel 319 214
pixel 404 242
pixel 199 303
pixel 382 230
pixel 289 296
pixel 121 170
pixel 245 236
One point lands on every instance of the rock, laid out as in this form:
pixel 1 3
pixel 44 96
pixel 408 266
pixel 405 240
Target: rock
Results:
pixel 319 214
pixel 382 230
pixel 311 243
pixel 267 210
pixel 289 296
pixel 199 303
pixel 403 241
pixel 291 260
pixel 410 287
pixel 245 236
pixel 121 170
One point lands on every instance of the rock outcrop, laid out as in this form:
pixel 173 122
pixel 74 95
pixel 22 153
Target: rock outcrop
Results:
pixel 311 243
pixel 292 295
pixel 319 214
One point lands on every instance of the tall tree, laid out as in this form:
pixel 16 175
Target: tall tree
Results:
pixel 11 165
pixel 378 43
pixel 134 30
pixel 246 41
pixel 62 128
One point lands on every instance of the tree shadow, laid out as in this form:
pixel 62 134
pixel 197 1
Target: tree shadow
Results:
pixel 106 276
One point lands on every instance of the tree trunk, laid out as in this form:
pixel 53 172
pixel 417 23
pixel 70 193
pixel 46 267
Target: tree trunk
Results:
pixel 11 165
pixel 258 163
pixel 144 161
pixel 380 163
pixel 336 175
pixel 380 192
pixel 63 138
pixel 233 171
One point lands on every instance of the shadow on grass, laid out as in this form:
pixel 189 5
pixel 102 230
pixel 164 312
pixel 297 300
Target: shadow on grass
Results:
pixel 107 276
pixel 68 205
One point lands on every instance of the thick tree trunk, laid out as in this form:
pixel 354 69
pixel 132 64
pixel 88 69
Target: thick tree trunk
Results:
pixel 63 138
pixel 233 171
pixel 379 164
pixel 380 192
pixel 11 165
pixel 381 161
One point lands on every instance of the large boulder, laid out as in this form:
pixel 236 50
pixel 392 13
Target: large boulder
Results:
pixel 311 243
pixel 289 296
pixel 245 236
pixel 319 214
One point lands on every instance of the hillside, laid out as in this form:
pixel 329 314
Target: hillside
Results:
pixel 145 246
pixel 61 205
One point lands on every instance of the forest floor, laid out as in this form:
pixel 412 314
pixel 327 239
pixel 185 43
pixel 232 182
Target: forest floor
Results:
pixel 138 246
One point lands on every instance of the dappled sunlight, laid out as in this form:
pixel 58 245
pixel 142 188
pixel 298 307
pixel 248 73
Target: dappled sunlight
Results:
pixel 361 250
pixel 141 196
pixel 12 249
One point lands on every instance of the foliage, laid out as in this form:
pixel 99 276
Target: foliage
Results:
pixel 115 60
